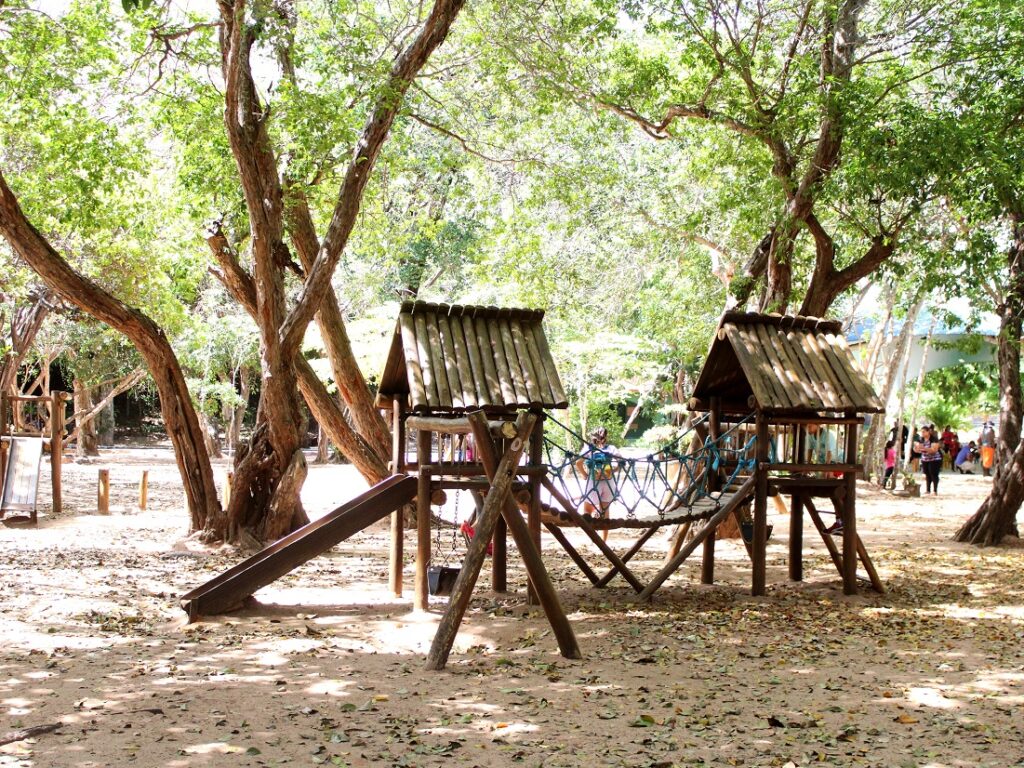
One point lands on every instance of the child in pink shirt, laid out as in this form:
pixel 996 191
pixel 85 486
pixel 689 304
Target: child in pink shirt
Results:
pixel 890 461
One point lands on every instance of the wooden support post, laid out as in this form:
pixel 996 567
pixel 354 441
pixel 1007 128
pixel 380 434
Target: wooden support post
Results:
pixel 759 545
pixel 583 522
pixel 501 474
pixel 850 516
pixel 741 494
pixel 535 569
pixel 707 565
pixel 637 546
pixel 826 537
pixel 397 520
pixel 499 558
pixel 676 544
pixel 574 555
pixel 103 492
pixel 423 449
pixel 536 458
pixel 796 539
pixel 144 489
pixel 56 452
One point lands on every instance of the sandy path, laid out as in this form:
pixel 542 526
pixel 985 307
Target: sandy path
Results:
pixel 330 669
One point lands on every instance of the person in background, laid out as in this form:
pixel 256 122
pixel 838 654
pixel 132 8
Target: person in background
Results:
pixel 987 444
pixel 915 455
pixel 965 458
pixel 948 454
pixel 890 462
pixel 929 448
pixel 597 465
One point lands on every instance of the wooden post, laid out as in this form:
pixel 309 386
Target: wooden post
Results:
pixel 56 450
pixel 397 520
pixel 796 539
pixel 423 457
pixel 536 459
pixel 760 542
pixel 477 551
pixel 535 569
pixel 707 563
pixel 103 492
pixel 229 478
pixel 499 558
pixel 144 489
pixel 850 516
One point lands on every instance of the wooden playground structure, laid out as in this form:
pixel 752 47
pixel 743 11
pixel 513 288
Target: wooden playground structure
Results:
pixel 776 411
pixel 21 450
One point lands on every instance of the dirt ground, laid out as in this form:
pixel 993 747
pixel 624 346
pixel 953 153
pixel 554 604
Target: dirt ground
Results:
pixel 329 669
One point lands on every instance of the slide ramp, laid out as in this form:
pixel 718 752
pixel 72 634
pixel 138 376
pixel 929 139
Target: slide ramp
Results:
pixel 21 480
pixel 227 591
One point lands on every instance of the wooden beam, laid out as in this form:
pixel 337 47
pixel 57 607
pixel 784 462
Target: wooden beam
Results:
pixel 759 546
pixel 583 523
pixel 850 518
pixel 396 554
pixel 423 450
pixel 709 528
pixel 796 539
pixel 573 553
pixel 462 592
pixel 530 554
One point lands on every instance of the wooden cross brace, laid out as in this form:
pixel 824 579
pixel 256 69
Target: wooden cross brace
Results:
pixel 499 503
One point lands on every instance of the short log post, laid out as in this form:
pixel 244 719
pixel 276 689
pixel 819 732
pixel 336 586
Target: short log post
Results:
pixel 103 492
pixel 462 592
pixel 850 516
pixel 56 451
pixel 707 563
pixel 229 478
pixel 421 597
pixel 760 542
pixel 396 555
pixel 144 489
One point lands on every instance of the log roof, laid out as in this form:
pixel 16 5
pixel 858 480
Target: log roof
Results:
pixel 454 358
pixel 786 364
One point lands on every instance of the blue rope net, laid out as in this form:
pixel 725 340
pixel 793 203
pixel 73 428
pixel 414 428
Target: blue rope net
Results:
pixel 667 486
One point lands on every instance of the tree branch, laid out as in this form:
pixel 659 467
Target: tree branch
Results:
pixel 375 132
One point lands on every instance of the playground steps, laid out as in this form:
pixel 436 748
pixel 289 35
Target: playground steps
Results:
pixel 227 591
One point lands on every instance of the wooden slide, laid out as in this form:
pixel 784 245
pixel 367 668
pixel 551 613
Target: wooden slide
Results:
pixel 21 480
pixel 229 590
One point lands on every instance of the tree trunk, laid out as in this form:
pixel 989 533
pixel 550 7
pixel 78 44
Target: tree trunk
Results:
pixel 238 412
pixel 25 324
pixel 86 440
pixel 873 441
pixel 997 515
pixel 175 402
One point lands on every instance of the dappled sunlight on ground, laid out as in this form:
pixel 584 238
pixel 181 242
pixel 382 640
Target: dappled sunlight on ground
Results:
pixel 328 667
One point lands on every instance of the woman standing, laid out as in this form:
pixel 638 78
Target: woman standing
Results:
pixel 930 448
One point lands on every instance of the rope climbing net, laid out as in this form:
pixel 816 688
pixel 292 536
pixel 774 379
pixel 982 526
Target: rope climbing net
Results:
pixel 670 485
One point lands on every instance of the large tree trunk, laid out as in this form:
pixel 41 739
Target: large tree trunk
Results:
pixel 997 515
pixel 269 474
pixel 85 437
pixel 175 403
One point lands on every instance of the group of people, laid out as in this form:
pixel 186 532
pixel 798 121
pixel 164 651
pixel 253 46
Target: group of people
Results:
pixel 929 449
